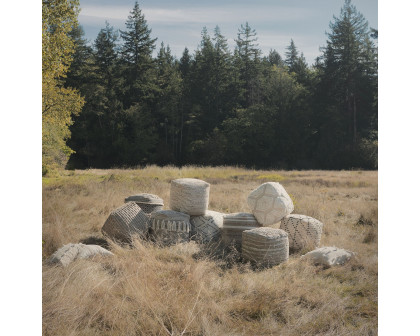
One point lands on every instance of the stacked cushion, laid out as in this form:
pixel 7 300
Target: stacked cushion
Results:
pixel 233 226
pixel 190 196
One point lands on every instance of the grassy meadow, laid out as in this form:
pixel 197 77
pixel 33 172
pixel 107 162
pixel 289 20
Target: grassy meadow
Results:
pixel 188 290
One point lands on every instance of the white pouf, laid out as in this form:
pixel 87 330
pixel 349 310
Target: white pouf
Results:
pixel 170 227
pixel 190 196
pixel 207 227
pixel 329 256
pixel 70 252
pixel 269 203
pixel 147 202
pixel 233 226
pixel 304 231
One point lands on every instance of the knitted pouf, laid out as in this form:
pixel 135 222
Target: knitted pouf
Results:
pixel 329 256
pixel 170 227
pixel 70 252
pixel 265 246
pixel 147 202
pixel 190 196
pixel 233 226
pixel 126 221
pixel 269 203
pixel 304 231
pixel 207 227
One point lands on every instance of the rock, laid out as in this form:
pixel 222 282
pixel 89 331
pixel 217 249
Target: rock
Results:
pixel 147 202
pixel 329 256
pixel 265 246
pixel 269 203
pixel 70 252
pixel 207 227
pixel 233 226
pixel 190 196
pixel 170 227
pixel 125 222
pixel 304 231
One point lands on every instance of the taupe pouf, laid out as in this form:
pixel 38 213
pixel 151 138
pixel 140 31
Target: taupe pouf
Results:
pixel 233 226
pixel 170 227
pixel 147 202
pixel 208 227
pixel 125 222
pixel 304 231
pixel 269 203
pixel 70 252
pixel 190 196
pixel 265 246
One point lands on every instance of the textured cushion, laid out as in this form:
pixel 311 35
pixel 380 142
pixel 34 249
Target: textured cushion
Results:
pixel 126 221
pixel 265 246
pixel 304 231
pixel 233 226
pixel 170 227
pixel 190 196
pixel 70 252
pixel 329 256
pixel 270 203
pixel 207 227
pixel 147 202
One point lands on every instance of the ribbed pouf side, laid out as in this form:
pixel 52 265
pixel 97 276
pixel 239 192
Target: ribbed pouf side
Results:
pixel 126 221
pixel 233 226
pixel 208 227
pixel 147 202
pixel 265 246
pixel 190 196
pixel 170 227
pixel 304 231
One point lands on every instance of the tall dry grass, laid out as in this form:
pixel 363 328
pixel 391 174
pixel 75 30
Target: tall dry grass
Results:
pixel 188 290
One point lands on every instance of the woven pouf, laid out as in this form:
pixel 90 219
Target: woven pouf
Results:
pixel 304 231
pixel 125 222
pixel 147 202
pixel 70 252
pixel 269 203
pixel 265 246
pixel 208 227
pixel 190 196
pixel 233 226
pixel 170 227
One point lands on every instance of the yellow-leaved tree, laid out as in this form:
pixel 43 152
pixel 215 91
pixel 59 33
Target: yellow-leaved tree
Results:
pixel 58 102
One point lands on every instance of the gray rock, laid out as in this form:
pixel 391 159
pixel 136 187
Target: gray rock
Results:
pixel 70 252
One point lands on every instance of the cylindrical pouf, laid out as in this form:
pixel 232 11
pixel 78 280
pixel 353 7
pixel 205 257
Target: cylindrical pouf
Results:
pixel 126 221
pixel 233 226
pixel 265 246
pixel 147 202
pixel 208 227
pixel 170 227
pixel 190 196
pixel 304 231
pixel 269 203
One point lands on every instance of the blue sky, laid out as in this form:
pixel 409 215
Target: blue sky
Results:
pixel 179 23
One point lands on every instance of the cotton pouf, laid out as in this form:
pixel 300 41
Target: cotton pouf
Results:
pixel 147 202
pixel 329 256
pixel 170 227
pixel 70 252
pixel 126 221
pixel 233 226
pixel 269 203
pixel 304 231
pixel 207 227
pixel 190 196
pixel 265 246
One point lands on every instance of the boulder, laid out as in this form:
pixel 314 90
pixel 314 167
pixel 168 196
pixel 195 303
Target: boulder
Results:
pixel 329 256
pixel 208 227
pixel 70 252
pixel 170 227
pixel 304 231
pixel 190 196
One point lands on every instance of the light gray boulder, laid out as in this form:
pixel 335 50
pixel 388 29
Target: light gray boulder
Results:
pixel 329 256
pixel 70 252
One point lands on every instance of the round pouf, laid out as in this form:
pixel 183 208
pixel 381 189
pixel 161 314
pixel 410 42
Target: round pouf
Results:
pixel 190 196
pixel 147 202
pixel 304 231
pixel 233 226
pixel 126 221
pixel 269 203
pixel 265 246
pixel 170 227
pixel 208 227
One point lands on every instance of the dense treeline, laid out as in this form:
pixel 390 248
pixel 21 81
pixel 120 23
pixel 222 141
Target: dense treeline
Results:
pixel 219 106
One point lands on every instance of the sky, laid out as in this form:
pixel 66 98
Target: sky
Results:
pixel 179 23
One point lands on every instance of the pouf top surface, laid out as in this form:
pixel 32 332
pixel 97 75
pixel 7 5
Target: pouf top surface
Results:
pixel 170 215
pixel 267 232
pixel 191 182
pixel 145 198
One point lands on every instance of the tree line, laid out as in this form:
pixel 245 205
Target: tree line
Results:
pixel 217 106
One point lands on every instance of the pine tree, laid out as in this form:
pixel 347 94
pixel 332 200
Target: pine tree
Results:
pixel 291 56
pixel 274 58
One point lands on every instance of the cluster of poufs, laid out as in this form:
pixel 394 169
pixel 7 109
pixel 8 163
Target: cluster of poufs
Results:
pixel 250 234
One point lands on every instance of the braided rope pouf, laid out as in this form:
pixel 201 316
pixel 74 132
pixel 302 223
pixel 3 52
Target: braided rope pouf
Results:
pixel 125 222
pixel 207 227
pixel 270 203
pixel 170 227
pixel 265 246
pixel 304 231
pixel 147 202
pixel 190 196
pixel 233 226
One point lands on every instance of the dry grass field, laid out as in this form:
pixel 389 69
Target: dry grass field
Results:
pixel 188 290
